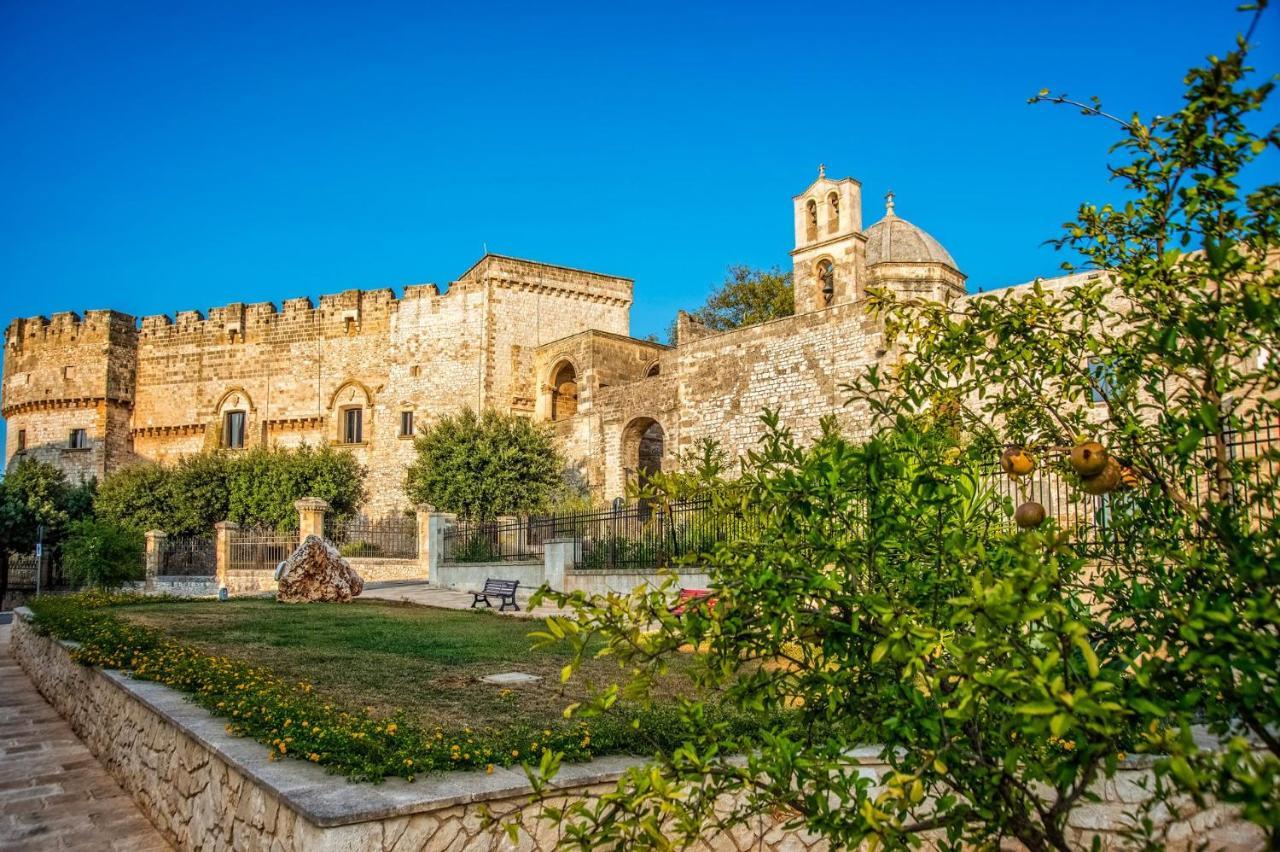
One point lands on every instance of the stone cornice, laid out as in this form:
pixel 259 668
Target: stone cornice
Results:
pixel 53 404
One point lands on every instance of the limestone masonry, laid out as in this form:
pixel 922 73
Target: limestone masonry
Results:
pixel 365 370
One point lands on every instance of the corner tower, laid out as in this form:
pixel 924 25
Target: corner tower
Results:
pixel 829 260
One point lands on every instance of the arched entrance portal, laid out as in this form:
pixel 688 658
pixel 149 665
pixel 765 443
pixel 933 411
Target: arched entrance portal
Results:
pixel 564 392
pixel 643 445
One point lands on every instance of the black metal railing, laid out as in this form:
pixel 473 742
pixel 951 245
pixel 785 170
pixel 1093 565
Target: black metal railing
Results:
pixel 513 540
pixel 647 536
pixel 259 550
pixel 391 537
pixel 188 556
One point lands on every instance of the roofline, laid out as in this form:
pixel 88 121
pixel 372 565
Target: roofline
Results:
pixel 489 254
pixel 851 180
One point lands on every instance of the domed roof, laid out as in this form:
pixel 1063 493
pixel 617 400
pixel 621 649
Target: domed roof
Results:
pixel 895 240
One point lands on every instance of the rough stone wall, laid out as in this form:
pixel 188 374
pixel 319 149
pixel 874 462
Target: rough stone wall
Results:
pixel 66 373
pixel 158 389
pixel 202 794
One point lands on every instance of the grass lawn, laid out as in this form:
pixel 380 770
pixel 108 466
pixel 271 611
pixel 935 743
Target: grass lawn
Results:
pixel 389 656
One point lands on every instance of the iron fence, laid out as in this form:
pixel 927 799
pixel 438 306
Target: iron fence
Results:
pixel 188 556
pixel 513 540
pixel 647 536
pixel 259 550
pixel 391 537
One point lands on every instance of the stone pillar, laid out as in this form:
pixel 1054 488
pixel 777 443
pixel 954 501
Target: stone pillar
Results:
pixel 513 536
pixel 436 523
pixel 311 511
pixel 155 549
pixel 423 514
pixel 222 531
pixel 559 555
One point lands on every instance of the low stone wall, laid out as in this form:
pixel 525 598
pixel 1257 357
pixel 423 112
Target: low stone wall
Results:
pixel 176 585
pixel 380 569
pixel 204 789
pixel 470 576
pixel 622 582
pixel 245 581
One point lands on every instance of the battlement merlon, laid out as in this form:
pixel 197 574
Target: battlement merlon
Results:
pixel 66 326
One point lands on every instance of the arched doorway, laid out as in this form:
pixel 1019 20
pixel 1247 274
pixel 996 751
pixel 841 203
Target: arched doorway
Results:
pixel 643 445
pixel 564 392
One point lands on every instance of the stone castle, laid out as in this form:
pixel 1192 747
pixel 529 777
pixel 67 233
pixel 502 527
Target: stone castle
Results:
pixel 364 369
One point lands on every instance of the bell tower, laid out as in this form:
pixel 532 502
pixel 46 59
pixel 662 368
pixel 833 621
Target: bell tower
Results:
pixel 830 258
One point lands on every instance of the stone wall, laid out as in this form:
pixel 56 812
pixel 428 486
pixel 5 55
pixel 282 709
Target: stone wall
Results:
pixel 376 570
pixel 158 388
pixel 204 789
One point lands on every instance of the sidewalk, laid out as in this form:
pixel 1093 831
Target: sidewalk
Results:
pixel 429 595
pixel 53 793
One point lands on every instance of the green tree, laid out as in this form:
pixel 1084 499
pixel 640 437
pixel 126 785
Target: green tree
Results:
pixel 482 466
pixel 746 297
pixel 263 484
pixel 35 495
pixel 102 554
pixel 869 595
pixel 140 497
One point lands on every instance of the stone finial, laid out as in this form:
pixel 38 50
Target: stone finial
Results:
pixel 888 203
pixel 822 170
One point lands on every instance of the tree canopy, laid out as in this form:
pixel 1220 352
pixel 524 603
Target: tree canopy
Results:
pixel 881 594
pixel 748 296
pixel 482 466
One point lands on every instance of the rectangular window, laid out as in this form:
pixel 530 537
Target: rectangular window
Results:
pixel 406 424
pixel 22 439
pixel 233 430
pixel 1103 380
pixel 353 425
pixel 78 440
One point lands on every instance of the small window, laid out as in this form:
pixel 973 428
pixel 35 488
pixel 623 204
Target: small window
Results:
pixel 1103 381
pixel 22 439
pixel 352 425
pixel 78 440
pixel 350 325
pixel 68 372
pixel 233 430
pixel 406 424
pixel 654 370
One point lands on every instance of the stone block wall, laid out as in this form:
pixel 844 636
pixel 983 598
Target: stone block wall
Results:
pixel 206 790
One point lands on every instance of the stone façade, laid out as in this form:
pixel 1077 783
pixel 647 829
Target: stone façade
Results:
pixel 539 340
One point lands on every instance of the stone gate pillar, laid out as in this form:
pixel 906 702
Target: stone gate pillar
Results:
pixel 559 555
pixel 436 523
pixel 422 515
pixel 222 531
pixel 311 512
pixel 155 540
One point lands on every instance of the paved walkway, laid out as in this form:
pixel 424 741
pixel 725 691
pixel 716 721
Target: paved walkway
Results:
pixel 53 793
pixel 429 595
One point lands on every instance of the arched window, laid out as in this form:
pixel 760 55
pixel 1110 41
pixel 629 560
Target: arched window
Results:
pixel 812 219
pixel 654 369
pixel 352 409
pixel 827 280
pixel 833 213
pixel 564 392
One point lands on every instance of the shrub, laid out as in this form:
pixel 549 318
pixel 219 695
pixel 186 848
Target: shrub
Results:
pixel 482 466
pixel 140 497
pixel 102 554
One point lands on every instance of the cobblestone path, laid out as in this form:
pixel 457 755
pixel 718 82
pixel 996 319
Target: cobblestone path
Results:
pixel 53 793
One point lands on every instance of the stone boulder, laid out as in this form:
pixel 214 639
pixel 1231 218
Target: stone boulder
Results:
pixel 316 571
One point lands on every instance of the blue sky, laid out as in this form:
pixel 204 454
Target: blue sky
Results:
pixel 167 156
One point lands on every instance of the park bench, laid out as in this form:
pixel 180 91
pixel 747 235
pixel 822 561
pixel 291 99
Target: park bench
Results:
pixel 688 597
pixel 503 590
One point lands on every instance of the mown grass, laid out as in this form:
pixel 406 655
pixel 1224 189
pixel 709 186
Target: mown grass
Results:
pixel 387 657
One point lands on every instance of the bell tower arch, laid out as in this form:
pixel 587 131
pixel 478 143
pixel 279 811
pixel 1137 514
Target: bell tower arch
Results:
pixel 830 258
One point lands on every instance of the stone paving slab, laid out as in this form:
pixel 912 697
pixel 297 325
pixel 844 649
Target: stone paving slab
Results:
pixel 426 594
pixel 53 792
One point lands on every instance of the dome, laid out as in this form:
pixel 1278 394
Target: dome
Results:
pixel 895 240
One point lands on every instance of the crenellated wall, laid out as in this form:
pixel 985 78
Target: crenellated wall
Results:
pixel 159 388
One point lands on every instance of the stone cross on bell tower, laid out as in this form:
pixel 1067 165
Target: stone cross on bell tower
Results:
pixel 829 260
